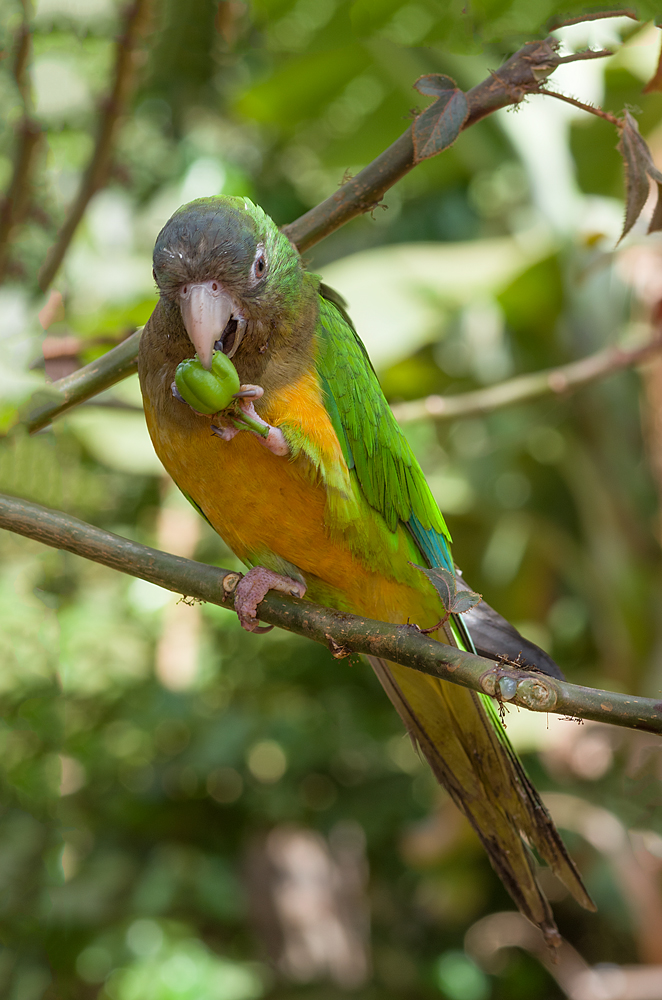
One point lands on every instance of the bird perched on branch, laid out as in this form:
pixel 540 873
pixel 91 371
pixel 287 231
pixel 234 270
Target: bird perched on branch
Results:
pixel 324 498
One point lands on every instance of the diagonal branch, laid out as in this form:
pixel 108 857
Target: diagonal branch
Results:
pixel 100 165
pixel 519 76
pixel 343 633
pixel 58 397
pixel 16 203
pixel 554 381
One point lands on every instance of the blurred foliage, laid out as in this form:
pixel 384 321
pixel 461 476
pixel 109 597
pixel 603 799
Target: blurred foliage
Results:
pixel 146 744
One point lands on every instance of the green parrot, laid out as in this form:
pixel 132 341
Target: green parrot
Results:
pixel 323 497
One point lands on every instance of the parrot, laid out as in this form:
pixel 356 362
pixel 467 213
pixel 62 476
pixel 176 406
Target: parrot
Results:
pixel 326 501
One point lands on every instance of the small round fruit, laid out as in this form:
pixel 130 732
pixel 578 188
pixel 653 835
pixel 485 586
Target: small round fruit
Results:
pixel 207 391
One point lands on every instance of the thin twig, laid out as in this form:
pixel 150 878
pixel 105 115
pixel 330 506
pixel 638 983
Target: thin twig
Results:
pixel 403 644
pixel 599 15
pixel 552 381
pixel 586 54
pixel 16 203
pixel 590 108
pixel 115 106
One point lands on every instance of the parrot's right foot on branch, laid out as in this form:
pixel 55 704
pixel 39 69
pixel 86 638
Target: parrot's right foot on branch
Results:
pixel 254 587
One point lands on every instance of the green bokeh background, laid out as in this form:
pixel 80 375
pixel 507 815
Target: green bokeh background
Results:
pixel 135 780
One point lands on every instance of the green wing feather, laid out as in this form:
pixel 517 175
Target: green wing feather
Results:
pixel 372 442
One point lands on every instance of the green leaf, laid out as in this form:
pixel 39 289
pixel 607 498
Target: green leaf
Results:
pixel 438 126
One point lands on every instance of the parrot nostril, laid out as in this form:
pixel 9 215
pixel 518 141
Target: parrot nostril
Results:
pixel 214 287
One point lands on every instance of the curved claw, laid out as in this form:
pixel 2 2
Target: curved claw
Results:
pixel 177 394
pixel 249 392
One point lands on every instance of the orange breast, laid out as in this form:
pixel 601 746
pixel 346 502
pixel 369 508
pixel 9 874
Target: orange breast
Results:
pixel 263 505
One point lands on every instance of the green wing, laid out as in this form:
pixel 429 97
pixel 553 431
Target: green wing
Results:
pixel 373 444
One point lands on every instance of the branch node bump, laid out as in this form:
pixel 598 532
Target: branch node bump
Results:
pixel 229 582
pixel 489 681
pixel 533 693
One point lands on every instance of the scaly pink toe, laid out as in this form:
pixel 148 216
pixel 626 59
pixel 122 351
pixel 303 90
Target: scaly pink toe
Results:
pixel 253 588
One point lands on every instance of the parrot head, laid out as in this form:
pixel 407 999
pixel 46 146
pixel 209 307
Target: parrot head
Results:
pixel 222 264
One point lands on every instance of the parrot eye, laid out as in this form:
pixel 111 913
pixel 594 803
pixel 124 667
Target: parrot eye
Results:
pixel 260 265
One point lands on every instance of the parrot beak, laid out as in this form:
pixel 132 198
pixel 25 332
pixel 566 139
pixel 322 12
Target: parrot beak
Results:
pixel 206 310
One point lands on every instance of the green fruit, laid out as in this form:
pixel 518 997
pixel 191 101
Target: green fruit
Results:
pixel 207 391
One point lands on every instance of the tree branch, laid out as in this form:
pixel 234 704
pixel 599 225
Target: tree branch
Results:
pixel 557 381
pixel 99 167
pixel 343 633
pixel 16 203
pixel 58 397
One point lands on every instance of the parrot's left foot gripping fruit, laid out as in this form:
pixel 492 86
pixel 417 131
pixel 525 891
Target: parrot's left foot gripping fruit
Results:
pixel 253 588
pixel 228 426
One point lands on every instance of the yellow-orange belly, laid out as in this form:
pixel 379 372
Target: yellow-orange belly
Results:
pixel 262 504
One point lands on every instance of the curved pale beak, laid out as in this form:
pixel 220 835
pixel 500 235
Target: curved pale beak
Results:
pixel 206 311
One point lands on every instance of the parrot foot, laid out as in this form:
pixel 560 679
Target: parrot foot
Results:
pixel 226 429
pixel 254 587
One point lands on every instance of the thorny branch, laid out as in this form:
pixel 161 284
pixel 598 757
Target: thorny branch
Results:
pixel 100 165
pixel 553 381
pixel 17 202
pixel 342 633
pixel 591 109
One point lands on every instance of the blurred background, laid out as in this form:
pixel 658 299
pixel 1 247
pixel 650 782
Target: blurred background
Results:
pixel 188 811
